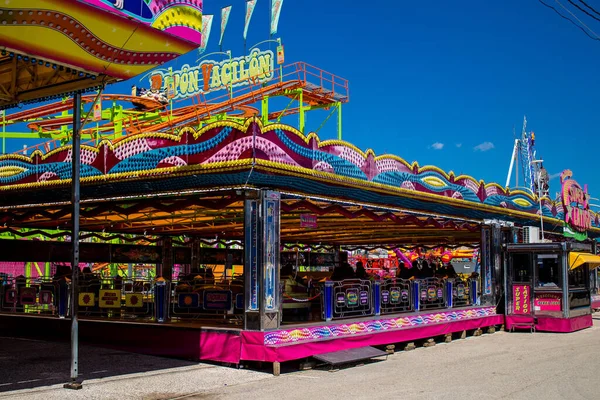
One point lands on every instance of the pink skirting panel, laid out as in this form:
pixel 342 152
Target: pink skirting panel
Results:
pixel 223 346
pixel 294 352
pixel 301 342
pixel 550 324
pixel 564 324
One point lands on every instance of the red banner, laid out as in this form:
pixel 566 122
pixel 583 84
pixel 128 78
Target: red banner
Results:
pixel 547 302
pixel 308 221
pixel 521 299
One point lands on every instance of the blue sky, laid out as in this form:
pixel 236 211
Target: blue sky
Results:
pixel 431 81
pixel 459 73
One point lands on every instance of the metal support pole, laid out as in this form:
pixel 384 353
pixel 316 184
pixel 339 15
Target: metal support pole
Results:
pixel 339 109
pixel 231 76
pixel 76 161
pixel 3 131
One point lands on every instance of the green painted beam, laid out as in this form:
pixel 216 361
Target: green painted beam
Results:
pixel 265 110
pixel 301 122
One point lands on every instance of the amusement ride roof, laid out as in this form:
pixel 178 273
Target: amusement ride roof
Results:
pixel 51 48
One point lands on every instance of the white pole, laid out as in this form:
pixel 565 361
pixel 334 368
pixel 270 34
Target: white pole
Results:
pixel 512 162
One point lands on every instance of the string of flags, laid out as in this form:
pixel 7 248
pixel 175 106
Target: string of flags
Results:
pixel 207 21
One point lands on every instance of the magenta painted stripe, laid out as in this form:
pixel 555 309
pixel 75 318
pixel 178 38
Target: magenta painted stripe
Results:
pixel 183 32
pixel 306 349
pixel 334 331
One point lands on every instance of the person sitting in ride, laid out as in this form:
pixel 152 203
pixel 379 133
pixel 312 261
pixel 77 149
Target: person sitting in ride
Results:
pixel 403 272
pixel 292 281
pixel 423 270
pixel 361 272
pixel 342 272
pixel 295 293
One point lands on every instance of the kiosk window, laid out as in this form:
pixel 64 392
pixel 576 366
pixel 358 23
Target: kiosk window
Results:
pixel 521 267
pixel 578 277
pixel 548 270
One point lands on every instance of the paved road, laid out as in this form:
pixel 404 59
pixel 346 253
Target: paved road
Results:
pixel 497 366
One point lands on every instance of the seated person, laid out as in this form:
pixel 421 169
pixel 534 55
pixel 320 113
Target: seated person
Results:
pixel 403 272
pixel 422 270
pixel 445 270
pixel 361 272
pixel 342 272
pixel 293 290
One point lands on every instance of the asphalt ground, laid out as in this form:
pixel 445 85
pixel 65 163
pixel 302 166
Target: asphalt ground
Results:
pixel 495 366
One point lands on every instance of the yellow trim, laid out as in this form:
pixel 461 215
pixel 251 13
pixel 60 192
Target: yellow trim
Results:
pixel 323 176
pixel 10 171
pixel 291 170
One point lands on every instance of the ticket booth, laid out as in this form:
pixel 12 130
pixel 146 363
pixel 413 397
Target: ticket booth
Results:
pixel 548 286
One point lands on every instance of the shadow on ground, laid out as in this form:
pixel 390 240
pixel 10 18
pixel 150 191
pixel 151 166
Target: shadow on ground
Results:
pixel 26 363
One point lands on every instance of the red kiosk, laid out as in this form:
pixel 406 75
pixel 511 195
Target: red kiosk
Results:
pixel 549 284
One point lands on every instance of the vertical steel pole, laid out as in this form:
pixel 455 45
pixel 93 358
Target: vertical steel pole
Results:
pixel 339 109
pixel 3 131
pixel 76 161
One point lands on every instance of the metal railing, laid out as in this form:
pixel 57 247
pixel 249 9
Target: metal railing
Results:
pixel 205 298
pixel 351 298
pixel 396 296
pixel 461 292
pixel 34 296
pixel 115 298
pixel 431 293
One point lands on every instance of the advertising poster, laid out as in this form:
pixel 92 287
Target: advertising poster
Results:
pixel 271 249
pixel 521 299
pixel 547 302
pixel 251 246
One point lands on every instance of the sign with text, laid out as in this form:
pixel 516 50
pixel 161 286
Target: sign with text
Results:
pixel 217 300
pixel 547 302
pixel 280 55
pixel 110 298
pixel 97 111
pixel 576 203
pixel 308 221
pixel 521 299
pixel 209 75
